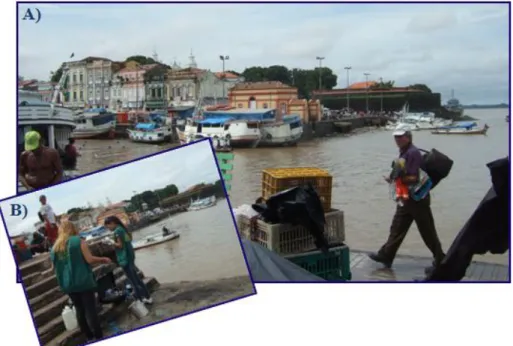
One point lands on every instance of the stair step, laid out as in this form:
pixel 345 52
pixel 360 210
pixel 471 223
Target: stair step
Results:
pixel 55 334
pixel 55 293
pixel 34 265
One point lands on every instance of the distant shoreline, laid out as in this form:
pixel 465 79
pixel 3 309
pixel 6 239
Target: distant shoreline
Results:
pixel 500 106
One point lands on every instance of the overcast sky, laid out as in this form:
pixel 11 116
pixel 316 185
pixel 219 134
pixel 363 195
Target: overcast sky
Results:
pixel 446 46
pixel 183 167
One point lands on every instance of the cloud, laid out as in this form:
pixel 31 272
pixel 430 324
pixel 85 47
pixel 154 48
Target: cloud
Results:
pixel 434 44
pixel 183 167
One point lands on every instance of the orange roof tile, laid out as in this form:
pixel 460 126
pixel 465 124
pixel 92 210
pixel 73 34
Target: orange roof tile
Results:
pixel 362 85
pixel 261 85
pixel 227 75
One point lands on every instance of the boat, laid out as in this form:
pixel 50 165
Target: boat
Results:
pixel 155 131
pixel 507 118
pixel 462 128
pixel 454 106
pixel 95 123
pixel 54 123
pixel 248 128
pixel 153 240
pixel 241 129
pixel 202 203
pixel 281 133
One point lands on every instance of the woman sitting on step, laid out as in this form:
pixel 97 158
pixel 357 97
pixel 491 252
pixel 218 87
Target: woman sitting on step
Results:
pixel 126 258
pixel 72 262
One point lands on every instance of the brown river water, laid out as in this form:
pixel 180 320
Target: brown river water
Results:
pixel 208 247
pixel 357 163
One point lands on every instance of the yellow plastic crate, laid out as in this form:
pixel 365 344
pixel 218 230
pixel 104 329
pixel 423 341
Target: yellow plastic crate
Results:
pixel 275 180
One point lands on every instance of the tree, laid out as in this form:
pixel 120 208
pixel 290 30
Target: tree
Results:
pixel 55 77
pixel 304 80
pixel 421 87
pixel 383 85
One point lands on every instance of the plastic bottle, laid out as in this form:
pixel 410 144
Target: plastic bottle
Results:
pixel 70 318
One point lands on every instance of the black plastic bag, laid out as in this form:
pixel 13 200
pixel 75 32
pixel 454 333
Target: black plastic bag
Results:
pixel 297 206
pixel 436 165
pixel 487 230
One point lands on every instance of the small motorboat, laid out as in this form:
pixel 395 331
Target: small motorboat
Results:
pixel 154 240
pixel 467 128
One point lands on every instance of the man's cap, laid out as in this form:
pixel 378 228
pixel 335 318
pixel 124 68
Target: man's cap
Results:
pixel 401 132
pixel 32 140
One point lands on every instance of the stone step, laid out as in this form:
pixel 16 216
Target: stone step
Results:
pixel 54 332
pixel 51 295
pixel 36 277
pixel 49 283
pixel 37 264
pixel 54 307
pixel 42 262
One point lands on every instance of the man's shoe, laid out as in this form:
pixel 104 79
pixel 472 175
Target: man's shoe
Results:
pixel 377 258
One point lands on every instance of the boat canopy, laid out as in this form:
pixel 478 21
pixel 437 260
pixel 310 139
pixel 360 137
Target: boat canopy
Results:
pixel 146 126
pixel 291 118
pixel 215 121
pixel 461 125
pixel 239 114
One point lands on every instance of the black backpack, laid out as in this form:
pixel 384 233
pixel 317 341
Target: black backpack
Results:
pixel 436 165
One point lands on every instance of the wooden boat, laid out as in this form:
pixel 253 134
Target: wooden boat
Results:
pixel 468 128
pixel 154 240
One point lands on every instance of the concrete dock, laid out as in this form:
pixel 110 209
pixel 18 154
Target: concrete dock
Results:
pixel 411 268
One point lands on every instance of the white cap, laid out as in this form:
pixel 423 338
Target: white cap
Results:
pixel 399 132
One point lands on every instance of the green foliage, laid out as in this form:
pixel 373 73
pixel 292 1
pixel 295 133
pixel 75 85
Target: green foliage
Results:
pixel 55 77
pixel 383 85
pixel 421 87
pixel 304 80
pixel 77 210
pixel 151 198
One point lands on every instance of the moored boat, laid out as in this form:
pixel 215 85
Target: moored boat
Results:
pixel 202 203
pixel 95 123
pixel 155 131
pixel 54 123
pixel 463 128
pixel 281 133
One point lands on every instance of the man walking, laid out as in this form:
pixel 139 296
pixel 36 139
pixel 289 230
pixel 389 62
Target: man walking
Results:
pixel 411 210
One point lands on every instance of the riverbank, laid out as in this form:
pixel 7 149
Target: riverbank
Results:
pixel 169 301
pixel 175 299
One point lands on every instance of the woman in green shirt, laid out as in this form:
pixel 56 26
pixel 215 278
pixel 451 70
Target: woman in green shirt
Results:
pixel 126 257
pixel 72 262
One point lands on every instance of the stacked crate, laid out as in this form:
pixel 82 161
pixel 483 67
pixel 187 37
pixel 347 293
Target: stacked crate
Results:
pixel 279 179
pixel 225 160
pixel 295 242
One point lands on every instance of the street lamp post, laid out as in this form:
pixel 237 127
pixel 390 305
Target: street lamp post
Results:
pixel 224 58
pixel 367 92
pixel 381 85
pixel 347 68
pixel 320 58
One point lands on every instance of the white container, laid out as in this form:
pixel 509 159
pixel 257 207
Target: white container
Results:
pixel 69 317
pixel 138 309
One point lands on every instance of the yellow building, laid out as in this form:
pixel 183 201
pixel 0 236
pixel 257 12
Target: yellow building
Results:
pixel 274 95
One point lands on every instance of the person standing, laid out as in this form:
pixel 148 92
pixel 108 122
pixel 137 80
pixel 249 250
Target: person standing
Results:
pixel 50 220
pixel 72 260
pixel 70 155
pixel 125 255
pixel 40 166
pixel 416 209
